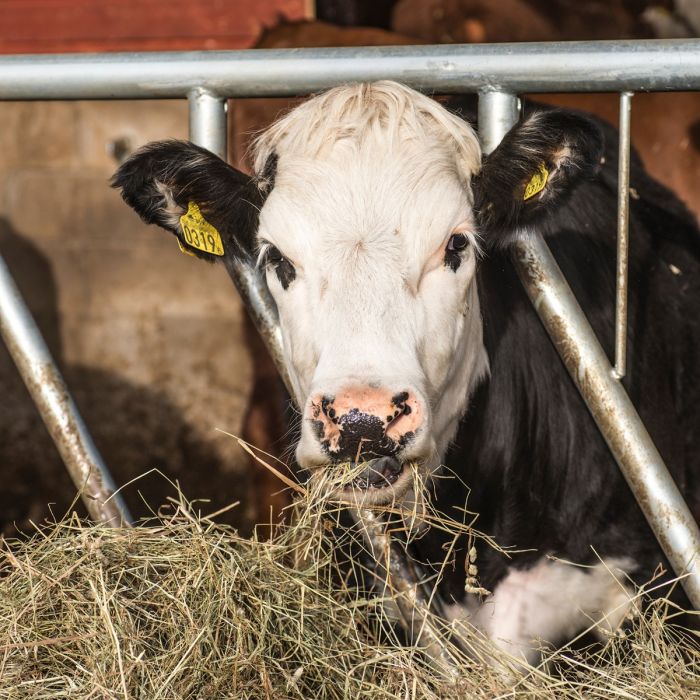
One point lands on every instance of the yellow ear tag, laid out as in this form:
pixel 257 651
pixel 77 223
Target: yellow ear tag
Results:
pixel 199 233
pixel 537 183
pixel 184 250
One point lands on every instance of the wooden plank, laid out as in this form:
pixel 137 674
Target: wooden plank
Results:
pixel 112 25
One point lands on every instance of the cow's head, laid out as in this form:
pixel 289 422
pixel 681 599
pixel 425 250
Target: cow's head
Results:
pixel 367 214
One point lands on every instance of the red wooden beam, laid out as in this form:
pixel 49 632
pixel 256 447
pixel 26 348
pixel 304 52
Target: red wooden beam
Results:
pixel 57 26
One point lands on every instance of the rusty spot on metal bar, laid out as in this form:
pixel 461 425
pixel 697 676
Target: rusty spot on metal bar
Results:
pixel 623 191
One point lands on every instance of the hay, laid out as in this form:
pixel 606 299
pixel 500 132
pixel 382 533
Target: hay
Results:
pixel 184 608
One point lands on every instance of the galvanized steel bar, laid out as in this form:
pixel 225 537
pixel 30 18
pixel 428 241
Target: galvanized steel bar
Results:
pixel 628 440
pixel 207 113
pixel 623 197
pixel 641 464
pixel 498 111
pixel 613 66
pixel 207 116
pixel 57 409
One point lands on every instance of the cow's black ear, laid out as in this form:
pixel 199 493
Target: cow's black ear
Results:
pixel 210 206
pixel 533 170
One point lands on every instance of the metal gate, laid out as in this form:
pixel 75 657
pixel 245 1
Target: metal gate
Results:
pixel 498 73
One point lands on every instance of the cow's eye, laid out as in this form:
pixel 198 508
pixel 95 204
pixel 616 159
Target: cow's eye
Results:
pixel 283 268
pixel 457 242
pixel 273 256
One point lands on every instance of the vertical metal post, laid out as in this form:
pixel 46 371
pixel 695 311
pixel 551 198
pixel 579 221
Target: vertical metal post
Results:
pixel 208 121
pixel 208 129
pixel 57 409
pixel 623 196
pixel 640 462
pixel 498 111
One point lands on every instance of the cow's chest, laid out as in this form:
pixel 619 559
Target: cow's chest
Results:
pixel 550 603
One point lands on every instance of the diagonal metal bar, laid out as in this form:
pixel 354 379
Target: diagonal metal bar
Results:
pixel 57 409
pixel 641 464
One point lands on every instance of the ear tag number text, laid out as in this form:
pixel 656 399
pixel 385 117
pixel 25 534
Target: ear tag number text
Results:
pixel 199 233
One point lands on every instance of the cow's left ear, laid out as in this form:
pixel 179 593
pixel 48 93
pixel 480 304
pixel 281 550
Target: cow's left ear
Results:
pixel 211 207
pixel 533 170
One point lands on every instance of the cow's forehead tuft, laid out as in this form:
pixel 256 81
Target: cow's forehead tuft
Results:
pixel 384 114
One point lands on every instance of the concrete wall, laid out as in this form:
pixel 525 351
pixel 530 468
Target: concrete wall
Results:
pixel 151 341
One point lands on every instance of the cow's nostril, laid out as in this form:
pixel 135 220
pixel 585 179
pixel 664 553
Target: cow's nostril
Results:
pixel 326 402
pixel 400 398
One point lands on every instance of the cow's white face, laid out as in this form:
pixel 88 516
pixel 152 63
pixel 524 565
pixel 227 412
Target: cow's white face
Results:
pixel 361 216
pixel 369 247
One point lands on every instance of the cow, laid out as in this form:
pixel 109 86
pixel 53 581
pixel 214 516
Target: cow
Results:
pixel 385 238
pixel 670 148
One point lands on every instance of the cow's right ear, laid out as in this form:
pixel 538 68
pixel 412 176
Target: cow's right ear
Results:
pixel 533 171
pixel 210 206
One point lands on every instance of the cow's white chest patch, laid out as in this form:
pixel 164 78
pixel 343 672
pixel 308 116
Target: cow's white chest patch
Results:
pixel 551 603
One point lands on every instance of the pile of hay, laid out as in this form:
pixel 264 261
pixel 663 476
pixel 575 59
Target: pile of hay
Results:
pixel 185 608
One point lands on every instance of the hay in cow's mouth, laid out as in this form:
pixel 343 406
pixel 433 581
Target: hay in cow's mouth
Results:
pixel 365 482
pixel 377 474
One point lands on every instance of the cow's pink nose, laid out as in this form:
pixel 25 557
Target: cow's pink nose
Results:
pixel 360 422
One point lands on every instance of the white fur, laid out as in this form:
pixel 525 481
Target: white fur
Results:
pixel 171 211
pixel 550 603
pixel 371 182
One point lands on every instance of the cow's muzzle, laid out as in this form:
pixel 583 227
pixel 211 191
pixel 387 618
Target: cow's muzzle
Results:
pixel 360 423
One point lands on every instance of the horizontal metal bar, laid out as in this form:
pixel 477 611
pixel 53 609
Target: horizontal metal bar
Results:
pixel 57 409
pixel 668 64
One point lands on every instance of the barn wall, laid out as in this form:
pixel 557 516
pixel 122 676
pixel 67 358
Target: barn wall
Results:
pixel 149 339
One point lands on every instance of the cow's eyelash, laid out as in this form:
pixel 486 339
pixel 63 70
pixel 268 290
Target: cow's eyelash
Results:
pixel 269 254
pixel 262 255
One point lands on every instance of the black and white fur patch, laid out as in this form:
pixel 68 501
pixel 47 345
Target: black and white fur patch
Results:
pixel 569 146
pixel 161 179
